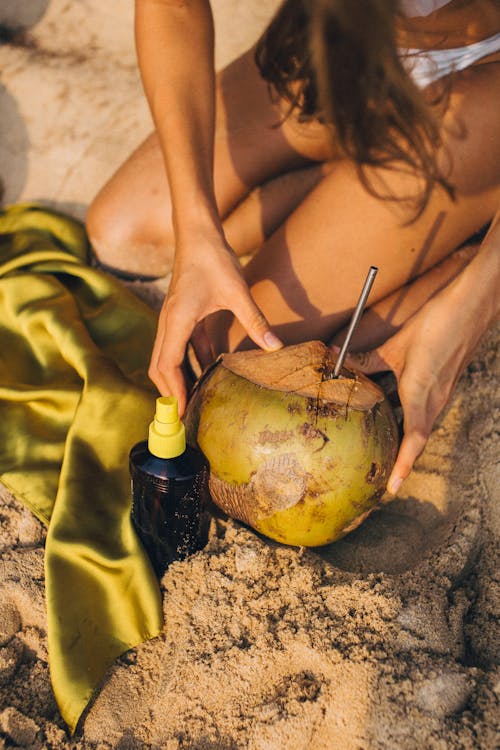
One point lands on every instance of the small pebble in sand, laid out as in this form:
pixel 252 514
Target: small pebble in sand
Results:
pixel 10 656
pixel 10 621
pixel 19 728
pixel 443 695
pixel 29 529
pixel 246 558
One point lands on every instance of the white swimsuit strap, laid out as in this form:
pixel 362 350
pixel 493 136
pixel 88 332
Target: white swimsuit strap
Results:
pixel 426 66
pixel 413 8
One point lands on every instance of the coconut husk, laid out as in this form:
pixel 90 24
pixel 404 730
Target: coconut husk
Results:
pixel 307 370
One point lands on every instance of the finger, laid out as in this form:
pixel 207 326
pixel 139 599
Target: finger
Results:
pixel 160 333
pixel 166 371
pixel 411 447
pixel 368 362
pixel 202 345
pixel 255 324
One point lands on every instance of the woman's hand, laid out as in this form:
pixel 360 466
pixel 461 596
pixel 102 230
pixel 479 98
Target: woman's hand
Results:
pixel 203 282
pixel 175 46
pixel 429 353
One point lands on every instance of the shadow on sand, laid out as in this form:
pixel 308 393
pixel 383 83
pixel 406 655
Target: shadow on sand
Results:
pixel 14 145
pixel 17 15
pixel 15 18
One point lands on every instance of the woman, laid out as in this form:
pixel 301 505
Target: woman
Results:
pixel 358 134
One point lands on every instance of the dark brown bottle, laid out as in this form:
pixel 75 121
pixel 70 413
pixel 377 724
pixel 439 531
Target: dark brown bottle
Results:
pixel 169 489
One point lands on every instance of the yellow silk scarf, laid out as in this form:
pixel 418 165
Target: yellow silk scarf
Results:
pixel 74 398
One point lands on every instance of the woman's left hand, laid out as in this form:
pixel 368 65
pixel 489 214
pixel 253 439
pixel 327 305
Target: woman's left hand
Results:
pixel 427 355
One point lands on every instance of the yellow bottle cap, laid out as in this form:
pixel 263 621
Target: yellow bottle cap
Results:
pixel 167 437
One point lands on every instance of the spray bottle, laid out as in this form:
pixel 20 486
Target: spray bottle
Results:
pixel 169 489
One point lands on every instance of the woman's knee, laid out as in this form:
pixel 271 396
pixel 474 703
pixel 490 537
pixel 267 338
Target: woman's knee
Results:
pixel 124 242
pixel 101 224
pixel 109 231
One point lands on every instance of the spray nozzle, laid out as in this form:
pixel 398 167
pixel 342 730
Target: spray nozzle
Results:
pixel 167 437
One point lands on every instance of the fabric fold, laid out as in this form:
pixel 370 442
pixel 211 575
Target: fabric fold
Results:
pixel 74 398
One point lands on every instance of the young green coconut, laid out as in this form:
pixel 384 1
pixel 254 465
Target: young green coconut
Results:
pixel 298 455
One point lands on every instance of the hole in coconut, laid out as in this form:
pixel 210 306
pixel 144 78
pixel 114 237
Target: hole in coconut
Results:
pixel 373 473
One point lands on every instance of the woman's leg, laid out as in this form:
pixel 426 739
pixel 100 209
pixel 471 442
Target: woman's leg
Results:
pixel 267 206
pixel 129 221
pixel 307 276
pixel 383 319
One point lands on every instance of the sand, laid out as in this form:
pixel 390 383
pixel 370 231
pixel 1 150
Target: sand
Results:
pixel 388 639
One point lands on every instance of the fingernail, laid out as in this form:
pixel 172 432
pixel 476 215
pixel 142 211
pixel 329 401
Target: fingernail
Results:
pixel 272 341
pixel 394 485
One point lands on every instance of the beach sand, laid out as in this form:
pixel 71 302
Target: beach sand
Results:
pixel 386 640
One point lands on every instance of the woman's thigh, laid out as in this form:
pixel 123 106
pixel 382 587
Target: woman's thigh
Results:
pixel 252 146
pixel 307 276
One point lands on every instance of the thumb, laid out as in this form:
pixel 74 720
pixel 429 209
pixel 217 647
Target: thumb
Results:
pixel 367 362
pixel 411 447
pixel 256 325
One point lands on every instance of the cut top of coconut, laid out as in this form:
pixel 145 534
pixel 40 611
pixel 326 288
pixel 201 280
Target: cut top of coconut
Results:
pixel 305 369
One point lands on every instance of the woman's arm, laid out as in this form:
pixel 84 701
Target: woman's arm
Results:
pixel 430 351
pixel 175 51
pixel 175 48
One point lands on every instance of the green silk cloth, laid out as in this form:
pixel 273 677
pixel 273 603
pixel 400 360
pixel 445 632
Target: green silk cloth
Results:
pixel 74 398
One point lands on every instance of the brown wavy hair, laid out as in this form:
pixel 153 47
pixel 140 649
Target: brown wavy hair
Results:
pixel 337 61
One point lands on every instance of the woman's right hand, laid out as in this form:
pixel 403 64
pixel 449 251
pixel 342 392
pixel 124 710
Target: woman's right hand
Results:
pixel 204 280
pixel 175 46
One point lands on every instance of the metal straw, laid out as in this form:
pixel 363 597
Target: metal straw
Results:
pixel 355 318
